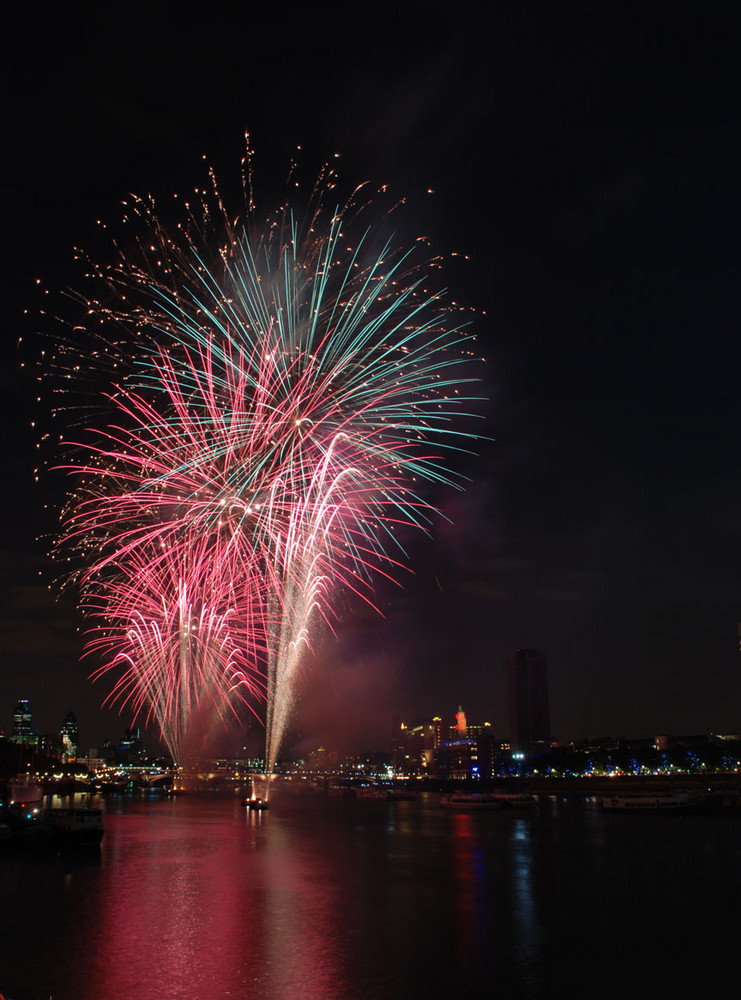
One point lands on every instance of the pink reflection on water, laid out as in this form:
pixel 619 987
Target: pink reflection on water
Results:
pixel 209 899
pixel 464 867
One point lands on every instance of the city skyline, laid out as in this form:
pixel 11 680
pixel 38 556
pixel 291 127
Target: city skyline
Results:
pixel 585 166
pixel 446 724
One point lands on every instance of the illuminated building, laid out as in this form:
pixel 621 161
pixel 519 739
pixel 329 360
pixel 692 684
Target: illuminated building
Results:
pixel 22 730
pixel 413 746
pixel 487 748
pixel 128 750
pixel 457 752
pixel 469 753
pixel 70 735
pixel 439 732
pixel 460 723
pixel 458 760
pixel 322 759
pixel 530 721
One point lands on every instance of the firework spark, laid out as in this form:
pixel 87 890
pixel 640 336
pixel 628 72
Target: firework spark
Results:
pixel 288 388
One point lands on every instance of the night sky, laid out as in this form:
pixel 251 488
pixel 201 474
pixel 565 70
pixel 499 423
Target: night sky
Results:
pixel 587 161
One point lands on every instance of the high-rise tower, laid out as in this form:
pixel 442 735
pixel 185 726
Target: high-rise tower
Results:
pixel 22 730
pixel 70 735
pixel 530 719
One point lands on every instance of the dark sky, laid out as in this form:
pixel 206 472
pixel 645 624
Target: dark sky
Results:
pixel 587 160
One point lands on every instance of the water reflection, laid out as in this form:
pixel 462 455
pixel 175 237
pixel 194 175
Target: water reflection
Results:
pixel 210 906
pixel 467 898
pixel 525 924
pixel 330 899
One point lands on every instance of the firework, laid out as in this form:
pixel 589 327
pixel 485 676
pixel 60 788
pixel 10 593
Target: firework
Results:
pixel 288 387
pixel 169 633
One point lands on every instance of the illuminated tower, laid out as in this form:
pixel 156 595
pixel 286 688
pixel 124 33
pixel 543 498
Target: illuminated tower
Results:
pixel 529 714
pixel 70 735
pixel 460 723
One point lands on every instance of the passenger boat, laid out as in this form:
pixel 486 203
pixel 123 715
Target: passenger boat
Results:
pixel 721 801
pixel 471 800
pixel 673 801
pixel 372 792
pixel 385 793
pixel 515 800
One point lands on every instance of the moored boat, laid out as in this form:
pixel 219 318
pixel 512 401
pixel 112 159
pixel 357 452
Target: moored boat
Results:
pixel 372 792
pixel 24 789
pixel 672 801
pixel 74 827
pixel 402 795
pixel 515 800
pixel 727 801
pixel 63 828
pixel 471 800
pixel 342 791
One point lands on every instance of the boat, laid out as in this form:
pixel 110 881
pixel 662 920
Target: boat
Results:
pixel 61 828
pixel 471 800
pixel 342 791
pixel 255 803
pixel 673 801
pixel 24 824
pixel 721 801
pixel 111 787
pixel 24 789
pixel 402 795
pixel 516 800
pixel 74 827
pixel 372 792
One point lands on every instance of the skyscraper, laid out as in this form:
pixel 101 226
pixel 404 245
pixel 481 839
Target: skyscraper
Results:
pixel 529 714
pixel 70 735
pixel 22 729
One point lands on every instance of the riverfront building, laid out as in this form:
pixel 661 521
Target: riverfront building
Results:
pixel 458 751
pixel 529 712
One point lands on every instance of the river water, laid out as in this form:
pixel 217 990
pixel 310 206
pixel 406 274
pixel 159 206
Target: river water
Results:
pixel 338 899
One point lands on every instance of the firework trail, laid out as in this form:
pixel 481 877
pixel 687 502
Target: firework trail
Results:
pixel 288 388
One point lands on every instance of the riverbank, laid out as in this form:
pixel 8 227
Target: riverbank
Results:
pixel 605 785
